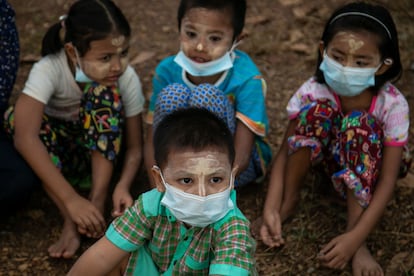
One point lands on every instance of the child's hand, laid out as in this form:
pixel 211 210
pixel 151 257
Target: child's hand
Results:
pixel 87 217
pixel 121 200
pixel 337 253
pixel 271 229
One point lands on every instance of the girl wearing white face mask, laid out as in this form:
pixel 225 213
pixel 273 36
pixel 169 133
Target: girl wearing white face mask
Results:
pixel 68 122
pixel 353 122
pixel 209 72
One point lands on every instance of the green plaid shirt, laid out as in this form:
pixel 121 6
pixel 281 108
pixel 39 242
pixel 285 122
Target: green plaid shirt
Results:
pixel 148 228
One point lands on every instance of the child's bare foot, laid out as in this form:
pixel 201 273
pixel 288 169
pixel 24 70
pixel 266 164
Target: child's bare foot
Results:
pixel 68 243
pixel 364 264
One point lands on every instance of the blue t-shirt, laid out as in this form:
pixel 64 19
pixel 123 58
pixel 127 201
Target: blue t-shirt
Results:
pixel 244 86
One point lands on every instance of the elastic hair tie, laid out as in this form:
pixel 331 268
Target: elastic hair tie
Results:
pixel 365 15
pixel 62 20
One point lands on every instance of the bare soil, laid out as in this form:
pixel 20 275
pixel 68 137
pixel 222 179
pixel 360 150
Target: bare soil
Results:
pixel 282 37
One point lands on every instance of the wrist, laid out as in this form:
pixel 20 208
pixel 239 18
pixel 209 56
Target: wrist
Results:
pixel 122 186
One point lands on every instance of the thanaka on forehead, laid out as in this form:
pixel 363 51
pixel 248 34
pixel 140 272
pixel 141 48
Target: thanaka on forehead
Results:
pixel 206 163
pixel 118 41
pixel 354 42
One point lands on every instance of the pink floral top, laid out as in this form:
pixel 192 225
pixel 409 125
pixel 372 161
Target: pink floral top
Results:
pixel 389 106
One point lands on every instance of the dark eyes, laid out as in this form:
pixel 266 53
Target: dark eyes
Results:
pixel 213 180
pixel 191 34
pixel 361 63
pixel 125 52
pixel 215 38
pixel 337 58
pixel 216 180
pixel 357 63
pixel 107 58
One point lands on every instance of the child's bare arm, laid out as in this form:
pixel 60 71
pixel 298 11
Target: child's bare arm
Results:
pixel 100 259
pixel 133 157
pixel 382 194
pixel 343 247
pixel 28 118
pixel 271 229
pixel 149 160
pixel 243 144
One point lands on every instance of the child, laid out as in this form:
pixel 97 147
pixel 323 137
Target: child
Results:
pixel 16 178
pixel 61 131
pixel 351 120
pixel 208 72
pixel 190 223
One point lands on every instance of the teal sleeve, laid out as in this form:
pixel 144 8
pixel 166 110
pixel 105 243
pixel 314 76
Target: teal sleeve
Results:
pixel 225 269
pixel 119 241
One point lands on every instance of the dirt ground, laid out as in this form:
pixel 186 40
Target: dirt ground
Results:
pixel 282 39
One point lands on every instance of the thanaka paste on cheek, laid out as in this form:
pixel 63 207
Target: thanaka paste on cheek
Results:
pixel 95 71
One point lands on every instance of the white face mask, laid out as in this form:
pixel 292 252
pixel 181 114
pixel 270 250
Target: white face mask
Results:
pixel 210 68
pixel 80 75
pixel 347 81
pixel 197 210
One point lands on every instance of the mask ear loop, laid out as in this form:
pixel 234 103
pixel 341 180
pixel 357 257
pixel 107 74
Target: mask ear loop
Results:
pixel 231 184
pixel 155 167
pixel 233 47
pixel 77 57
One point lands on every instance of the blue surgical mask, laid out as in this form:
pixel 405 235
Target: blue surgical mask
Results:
pixel 197 210
pixel 80 76
pixel 347 81
pixel 206 68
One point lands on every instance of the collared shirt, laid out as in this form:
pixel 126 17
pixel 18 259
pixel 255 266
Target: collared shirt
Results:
pixel 224 248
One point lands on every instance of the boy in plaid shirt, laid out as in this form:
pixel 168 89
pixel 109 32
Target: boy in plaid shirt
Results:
pixel 190 224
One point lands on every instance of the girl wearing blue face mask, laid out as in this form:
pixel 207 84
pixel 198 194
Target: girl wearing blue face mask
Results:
pixel 352 123
pixel 208 72
pixel 69 121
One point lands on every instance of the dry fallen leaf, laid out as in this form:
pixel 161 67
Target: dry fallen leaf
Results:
pixel 401 263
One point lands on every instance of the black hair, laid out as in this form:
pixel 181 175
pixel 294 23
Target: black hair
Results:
pixel 86 21
pixel 360 16
pixel 236 7
pixel 191 128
